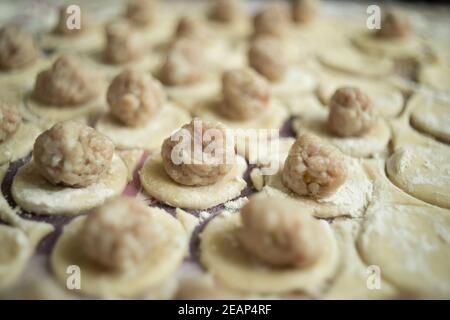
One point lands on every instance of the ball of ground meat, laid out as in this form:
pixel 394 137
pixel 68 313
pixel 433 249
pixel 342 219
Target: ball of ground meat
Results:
pixel 273 20
pixel 184 64
pixel 267 57
pixel 281 233
pixel 135 97
pixel 141 12
pixel 192 28
pixel 314 168
pixel 122 43
pixel 351 112
pixel 188 156
pixel 10 121
pixel 72 154
pixel 17 48
pixel 226 10
pixel 64 17
pixel 245 94
pixel 67 83
pixel 395 24
pixel 120 234
pixel 304 10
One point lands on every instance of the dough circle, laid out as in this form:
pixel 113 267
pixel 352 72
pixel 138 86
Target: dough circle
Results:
pixel 20 144
pixel 350 283
pixel 423 172
pixel 149 62
pixel 160 186
pixel 435 76
pixel 408 47
pixel 98 281
pixel 348 60
pixel 295 81
pixel 23 79
pixel 83 42
pixel 34 194
pixel 149 136
pixel 375 141
pixel 14 255
pixel 432 117
pixel 386 99
pixel 188 96
pixel 272 118
pixel 49 115
pixel 411 246
pixel 232 265
pixel 349 200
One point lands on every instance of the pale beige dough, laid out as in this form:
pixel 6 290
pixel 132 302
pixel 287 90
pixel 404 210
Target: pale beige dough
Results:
pixel 19 144
pixel 422 171
pixel 351 280
pixel 189 221
pixel 151 135
pixel 196 284
pixel 92 39
pixel 148 62
pixel 411 245
pixel 419 164
pixel 224 257
pixel 160 186
pixel 96 281
pixel 47 115
pixel 387 100
pixel 296 79
pixel 189 96
pixel 373 142
pixel 15 253
pixel 406 238
pixel 19 239
pixel 272 118
pixel 23 79
pixel 431 116
pixel 348 60
pixel 161 29
pixel 350 199
pixel 34 194
pixel 131 158
pixel 409 47
pixel 435 76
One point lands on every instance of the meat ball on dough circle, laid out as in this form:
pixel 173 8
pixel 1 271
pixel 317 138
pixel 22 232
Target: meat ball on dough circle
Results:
pixel 193 28
pixel 191 168
pixel 304 10
pixel 314 168
pixel 141 12
pixel 267 57
pixel 17 48
pixel 122 43
pixel 276 231
pixel 185 63
pixel 67 83
pixel 72 154
pixel 120 233
pixel 10 120
pixel 226 10
pixel 395 24
pixel 135 97
pixel 246 94
pixel 273 20
pixel 351 112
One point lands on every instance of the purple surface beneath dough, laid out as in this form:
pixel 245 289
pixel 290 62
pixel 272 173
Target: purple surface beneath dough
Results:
pixel 46 245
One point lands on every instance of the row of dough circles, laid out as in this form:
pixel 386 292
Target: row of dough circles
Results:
pixel 90 121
